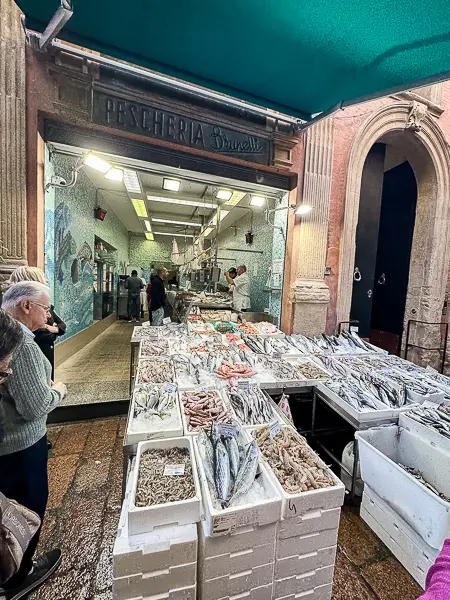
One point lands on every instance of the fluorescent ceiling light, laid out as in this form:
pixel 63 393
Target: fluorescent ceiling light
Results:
pixel 131 181
pixel 223 214
pixel 171 184
pixel 303 209
pixel 224 194
pixel 235 198
pixel 187 223
pixel 258 200
pixel 208 231
pixel 147 225
pixel 139 207
pixel 183 202
pixel 150 237
pixel 97 163
pixel 114 174
pixel 173 234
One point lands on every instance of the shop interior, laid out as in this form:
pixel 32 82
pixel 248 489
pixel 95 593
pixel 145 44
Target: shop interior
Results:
pixel 106 215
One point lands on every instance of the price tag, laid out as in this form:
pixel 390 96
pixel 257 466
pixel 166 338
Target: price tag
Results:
pixel 274 429
pixel 227 430
pixel 244 384
pixel 174 470
pixel 354 328
pixel 170 388
pixel 167 320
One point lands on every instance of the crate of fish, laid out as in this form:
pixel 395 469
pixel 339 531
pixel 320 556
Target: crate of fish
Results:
pixel 190 372
pixel 186 344
pixel 157 369
pixel 272 373
pixel 237 489
pixel 154 413
pixel 247 329
pixel 252 405
pixel 224 327
pixel 150 347
pixel 303 480
pixel 165 486
pixel 410 474
pixel 143 333
pixel 202 407
pixel 310 370
pixel 200 327
pixel 268 329
pixel 431 422
pixel 418 390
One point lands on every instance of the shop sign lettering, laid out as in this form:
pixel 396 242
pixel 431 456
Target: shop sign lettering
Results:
pixel 163 125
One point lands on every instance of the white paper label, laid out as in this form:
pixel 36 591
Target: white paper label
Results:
pixel 227 430
pixel 170 388
pixel 174 470
pixel 274 428
pixel 167 320
pixel 244 384
pixel 354 328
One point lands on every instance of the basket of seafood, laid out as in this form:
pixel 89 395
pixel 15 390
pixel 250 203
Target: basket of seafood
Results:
pixel 202 407
pixel 252 405
pixel 303 480
pixel 411 474
pixel 310 370
pixel 157 369
pixel 237 488
pixel 154 413
pixel 165 487
pixel 153 347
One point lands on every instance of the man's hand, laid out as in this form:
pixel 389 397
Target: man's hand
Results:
pixel 51 328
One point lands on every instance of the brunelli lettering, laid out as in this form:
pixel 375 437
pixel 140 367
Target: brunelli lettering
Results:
pixel 186 131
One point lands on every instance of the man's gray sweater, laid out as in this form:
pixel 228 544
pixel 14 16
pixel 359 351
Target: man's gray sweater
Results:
pixel 27 398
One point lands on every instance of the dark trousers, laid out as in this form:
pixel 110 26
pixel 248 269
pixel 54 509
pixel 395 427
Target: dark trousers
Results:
pixel 134 306
pixel 23 478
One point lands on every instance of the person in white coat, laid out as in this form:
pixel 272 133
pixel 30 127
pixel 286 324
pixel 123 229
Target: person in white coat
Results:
pixel 241 289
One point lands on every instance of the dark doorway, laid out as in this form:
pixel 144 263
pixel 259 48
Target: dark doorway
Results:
pixel 383 249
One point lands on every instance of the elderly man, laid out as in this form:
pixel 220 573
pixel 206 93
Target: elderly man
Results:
pixel 28 395
pixel 240 287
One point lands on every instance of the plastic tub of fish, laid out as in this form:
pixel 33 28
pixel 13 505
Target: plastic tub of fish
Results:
pixel 421 497
pixel 302 479
pixel 157 369
pixel 237 488
pixel 165 486
pixel 202 407
pixel 150 347
pixel 310 370
pixel 154 413
pixel 252 405
pixel 430 423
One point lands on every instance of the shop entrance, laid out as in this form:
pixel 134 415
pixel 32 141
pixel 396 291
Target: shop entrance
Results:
pixel 384 238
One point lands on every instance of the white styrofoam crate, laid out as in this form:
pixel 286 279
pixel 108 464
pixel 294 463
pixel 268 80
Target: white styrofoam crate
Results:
pixel 425 432
pixel 210 389
pixel 225 521
pixel 304 544
pixel 275 414
pixel 304 563
pixel 322 592
pixel 310 522
pixel 143 355
pixel 187 593
pixel 303 582
pixel 239 540
pixel 260 593
pixel 235 562
pixel 182 512
pixel 301 359
pixel 380 449
pixel 156 582
pixel 167 359
pixel 138 430
pixel 238 583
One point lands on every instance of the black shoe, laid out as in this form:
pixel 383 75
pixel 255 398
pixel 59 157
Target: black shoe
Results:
pixel 43 568
pixel 49 445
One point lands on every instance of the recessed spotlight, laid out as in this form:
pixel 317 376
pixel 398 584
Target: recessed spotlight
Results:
pixel 150 237
pixel 139 207
pixel 224 194
pixel 147 225
pixel 97 163
pixel 303 209
pixel 131 181
pixel 114 174
pixel 258 200
pixel 172 185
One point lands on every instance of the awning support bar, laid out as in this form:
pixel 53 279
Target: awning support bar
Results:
pixel 57 22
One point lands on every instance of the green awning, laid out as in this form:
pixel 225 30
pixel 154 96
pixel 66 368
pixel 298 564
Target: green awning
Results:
pixel 299 57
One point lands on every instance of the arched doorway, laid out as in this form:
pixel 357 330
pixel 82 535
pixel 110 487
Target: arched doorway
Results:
pixel 415 135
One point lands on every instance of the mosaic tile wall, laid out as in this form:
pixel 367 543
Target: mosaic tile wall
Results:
pixel 278 253
pixel 143 253
pixel 69 244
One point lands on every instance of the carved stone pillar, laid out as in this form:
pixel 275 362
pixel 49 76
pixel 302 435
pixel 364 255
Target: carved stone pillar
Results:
pixel 13 199
pixel 309 292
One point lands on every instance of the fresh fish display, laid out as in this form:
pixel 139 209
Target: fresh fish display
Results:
pixel 156 487
pixel 172 330
pixel 271 346
pixel 432 417
pixel 187 369
pixel 201 327
pixel 305 344
pixel 388 392
pixel 156 370
pixel 414 384
pixel 436 377
pixel 228 370
pixel 233 337
pixel 418 475
pixel 266 328
pixel 154 347
pixel 141 333
pixel 310 371
pixel 153 400
pixel 230 463
pixel 224 327
pixel 247 329
pixel 280 369
pixel 335 367
pixel 350 392
pixel 216 316
pixel 251 406
pixel 186 344
pixel 296 466
pixel 202 408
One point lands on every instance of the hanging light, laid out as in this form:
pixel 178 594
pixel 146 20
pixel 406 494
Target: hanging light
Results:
pixel 303 209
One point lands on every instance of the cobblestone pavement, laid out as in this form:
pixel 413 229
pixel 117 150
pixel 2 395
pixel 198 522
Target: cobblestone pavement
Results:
pixel 85 472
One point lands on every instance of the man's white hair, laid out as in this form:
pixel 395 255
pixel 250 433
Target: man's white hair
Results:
pixel 25 290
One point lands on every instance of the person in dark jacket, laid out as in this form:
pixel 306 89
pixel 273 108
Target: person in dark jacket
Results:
pixel 158 296
pixel 134 286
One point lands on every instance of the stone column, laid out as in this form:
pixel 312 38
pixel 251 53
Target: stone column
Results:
pixel 13 199
pixel 309 292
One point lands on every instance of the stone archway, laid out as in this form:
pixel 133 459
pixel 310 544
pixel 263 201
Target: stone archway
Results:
pixel 408 126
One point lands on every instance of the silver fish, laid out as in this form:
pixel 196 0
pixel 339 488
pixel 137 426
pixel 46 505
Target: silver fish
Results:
pixel 247 472
pixel 233 453
pixel 222 473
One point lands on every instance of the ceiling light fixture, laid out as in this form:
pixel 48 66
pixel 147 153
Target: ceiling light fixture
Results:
pixel 173 234
pixel 173 185
pixel 182 202
pixel 258 200
pixel 97 163
pixel 139 207
pixel 150 237
pixel 208 231
pixel 224 194
pixel 114 174
pixel 131 181
pixel 147 225
pixel 303 209
pixel 187 223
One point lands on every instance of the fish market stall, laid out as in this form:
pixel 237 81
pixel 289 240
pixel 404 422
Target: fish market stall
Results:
pixel 202 408
pixel 252 405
